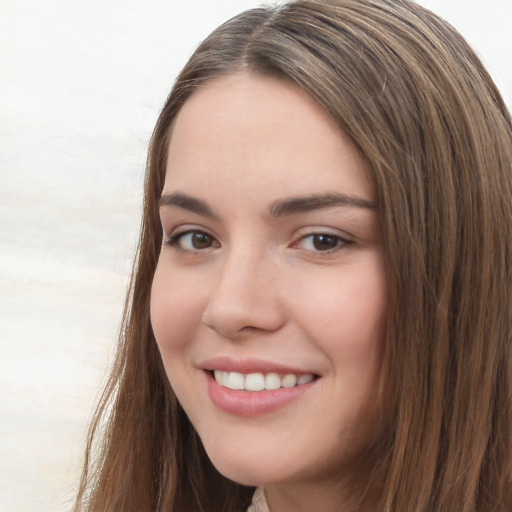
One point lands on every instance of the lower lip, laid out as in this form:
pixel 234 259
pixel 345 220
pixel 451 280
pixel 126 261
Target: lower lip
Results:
pixel 253 403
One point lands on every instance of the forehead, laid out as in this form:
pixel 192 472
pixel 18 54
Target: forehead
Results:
pixel 245 130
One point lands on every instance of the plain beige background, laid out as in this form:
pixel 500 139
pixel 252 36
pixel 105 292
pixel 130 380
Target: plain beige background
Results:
pixel 81 86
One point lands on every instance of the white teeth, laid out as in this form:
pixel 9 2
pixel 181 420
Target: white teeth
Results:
pixel 254 382
pixel 220 377
pixel 272 381
pixel 289 381
pixel 235 380
pixel 259 381
pixel 304 379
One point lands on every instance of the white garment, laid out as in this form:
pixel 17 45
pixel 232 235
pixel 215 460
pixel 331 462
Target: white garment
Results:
pixel 259 503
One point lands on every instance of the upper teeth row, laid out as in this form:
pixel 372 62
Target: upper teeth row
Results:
pixel 260 381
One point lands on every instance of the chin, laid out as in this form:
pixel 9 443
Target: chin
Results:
pixel 246 468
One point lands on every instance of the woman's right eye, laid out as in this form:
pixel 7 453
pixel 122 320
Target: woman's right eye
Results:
pixel 191 241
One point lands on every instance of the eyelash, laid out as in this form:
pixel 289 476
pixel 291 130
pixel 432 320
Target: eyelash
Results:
pixel 341 243
pixel 175 239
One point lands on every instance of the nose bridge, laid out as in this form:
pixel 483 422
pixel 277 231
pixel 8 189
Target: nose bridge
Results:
pixel 244 292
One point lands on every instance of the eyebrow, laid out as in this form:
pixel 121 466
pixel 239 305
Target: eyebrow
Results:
pixel 279 208
pixel 316 201
pixel 188 203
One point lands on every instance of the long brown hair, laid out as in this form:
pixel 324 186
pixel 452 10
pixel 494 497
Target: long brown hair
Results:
pixel 426 116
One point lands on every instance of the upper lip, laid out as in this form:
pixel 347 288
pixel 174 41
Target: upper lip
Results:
pixel 250 365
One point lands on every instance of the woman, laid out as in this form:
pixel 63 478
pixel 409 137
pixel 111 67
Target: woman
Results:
pixel 320 306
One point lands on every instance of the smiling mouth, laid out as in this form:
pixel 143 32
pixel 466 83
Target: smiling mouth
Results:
pixel 261 381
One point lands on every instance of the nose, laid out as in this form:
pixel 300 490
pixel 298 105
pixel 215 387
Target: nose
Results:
pixel 245 297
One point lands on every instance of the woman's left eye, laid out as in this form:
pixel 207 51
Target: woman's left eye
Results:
pixel 322 242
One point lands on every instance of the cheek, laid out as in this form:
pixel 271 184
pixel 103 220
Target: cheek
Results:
pixel 349 303
pixel 345 316
pixel 176 308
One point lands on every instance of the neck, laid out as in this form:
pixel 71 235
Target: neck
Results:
pixel 330 497
pixel 356 489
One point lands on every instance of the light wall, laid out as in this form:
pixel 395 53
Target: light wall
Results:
pixel 81 85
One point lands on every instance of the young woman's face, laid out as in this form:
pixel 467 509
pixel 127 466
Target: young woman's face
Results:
pixel 269 299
